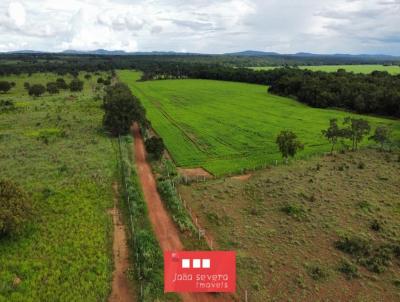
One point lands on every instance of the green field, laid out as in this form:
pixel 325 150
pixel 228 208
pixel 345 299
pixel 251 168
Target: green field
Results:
pixel 225 126
pixel 54 148
pixel 351 68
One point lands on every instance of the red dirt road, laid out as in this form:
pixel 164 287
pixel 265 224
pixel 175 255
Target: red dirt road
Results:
pixel 164 228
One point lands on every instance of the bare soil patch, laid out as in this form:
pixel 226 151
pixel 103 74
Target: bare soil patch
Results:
pixel 242 177
pixel 195 172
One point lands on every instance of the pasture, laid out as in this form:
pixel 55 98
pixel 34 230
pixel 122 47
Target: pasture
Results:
pixel 225 127
pixel 284 224
pixel 350 68
pixel 54 147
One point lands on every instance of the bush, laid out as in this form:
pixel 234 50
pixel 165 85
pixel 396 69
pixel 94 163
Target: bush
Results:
pixel 375 258
pixel 61 84
pixel 5 86
pixel 15 208
pixel 52 88
pixel 348 269
pixel 36 90
pixel 317 272
pixel 376 226
pixel 7 106
pixel 76 85
pixel 155 146
pixel 296 211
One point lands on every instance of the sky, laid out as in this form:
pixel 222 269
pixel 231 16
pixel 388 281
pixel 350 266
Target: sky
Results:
pixel 202 26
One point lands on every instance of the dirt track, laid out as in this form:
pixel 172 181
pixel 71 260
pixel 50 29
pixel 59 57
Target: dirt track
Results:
pixel 164 228
pixel 121 287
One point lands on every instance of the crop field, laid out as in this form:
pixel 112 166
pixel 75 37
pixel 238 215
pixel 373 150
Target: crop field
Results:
pixel 225 127
pixel 350 68
pixel 54 148
pixel 285 224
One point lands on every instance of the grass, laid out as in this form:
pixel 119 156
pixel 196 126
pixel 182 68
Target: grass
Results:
pixel 350 68
pixel 65 253
pixel 226 127
pixel 283 258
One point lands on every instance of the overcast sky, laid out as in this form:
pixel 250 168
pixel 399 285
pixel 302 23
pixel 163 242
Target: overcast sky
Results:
pixel 205 26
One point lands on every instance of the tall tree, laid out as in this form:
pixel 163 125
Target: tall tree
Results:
pixel 381 136
pixel 121 109
pixel 356 130
pixel 288 144
pixel 333 133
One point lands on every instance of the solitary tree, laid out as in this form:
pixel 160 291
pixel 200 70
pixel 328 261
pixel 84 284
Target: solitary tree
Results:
pixel 356 130
pixel 5 86
pixel 381 136
pixel 27 86
pixel 333 133
pixel 155 146
pixel 37 90
pixel 288 144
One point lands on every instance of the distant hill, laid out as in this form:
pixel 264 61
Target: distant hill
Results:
pixel 254 53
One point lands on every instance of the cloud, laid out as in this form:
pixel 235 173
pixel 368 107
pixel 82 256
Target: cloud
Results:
pixel 329 26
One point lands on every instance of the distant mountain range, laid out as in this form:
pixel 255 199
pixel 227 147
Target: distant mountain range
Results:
pixel 247 53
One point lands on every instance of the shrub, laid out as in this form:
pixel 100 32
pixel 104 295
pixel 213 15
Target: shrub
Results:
pixel 5 86
pixel 76 85
pixel 296 211
pixel 7 106
pixel 317 272
pixel 375 258
pixel 155 146
pixel 15 208
pixel 361 165
pixel 52 88
pixel 27 86
pixel 61 84
pixel 348 269
pixel 376 226
pixel 36 90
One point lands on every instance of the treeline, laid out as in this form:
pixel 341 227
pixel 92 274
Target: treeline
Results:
pixel 375 93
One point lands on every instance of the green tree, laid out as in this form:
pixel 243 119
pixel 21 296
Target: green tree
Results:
pixel 15 208
pixel 288 144
pixel 356 130
pixel 27 86
pixel 121 109
pixel 61 84
pixel 333 133
pixel 5 86
pixel 381 136
pixel 155 146
pixel 36 90
pixel 52 88
pixel 76 85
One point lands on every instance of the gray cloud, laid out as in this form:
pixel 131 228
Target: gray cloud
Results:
pixel 329 26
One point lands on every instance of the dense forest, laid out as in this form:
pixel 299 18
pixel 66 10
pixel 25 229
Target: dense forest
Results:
pixel 375 93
